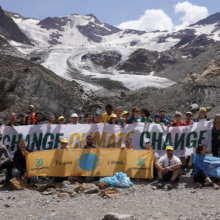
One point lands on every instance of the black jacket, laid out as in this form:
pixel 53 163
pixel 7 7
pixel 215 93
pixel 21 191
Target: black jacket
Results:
pixel 20 161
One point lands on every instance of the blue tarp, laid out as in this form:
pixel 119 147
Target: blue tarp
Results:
pixel 211 165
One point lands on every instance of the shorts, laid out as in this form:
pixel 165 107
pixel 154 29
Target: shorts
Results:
pixel 167 176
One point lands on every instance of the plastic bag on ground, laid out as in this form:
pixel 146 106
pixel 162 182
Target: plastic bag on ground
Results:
pixel 119 180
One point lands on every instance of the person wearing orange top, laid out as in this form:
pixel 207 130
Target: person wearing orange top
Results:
pixel 32 114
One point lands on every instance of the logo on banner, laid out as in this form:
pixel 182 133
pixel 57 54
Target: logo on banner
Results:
pixel 40 162
pixel 88 162
pixel 141 162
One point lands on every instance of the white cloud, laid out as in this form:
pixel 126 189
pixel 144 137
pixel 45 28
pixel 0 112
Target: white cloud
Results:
pixel 192 13
pixel 158 20
pixel 151 20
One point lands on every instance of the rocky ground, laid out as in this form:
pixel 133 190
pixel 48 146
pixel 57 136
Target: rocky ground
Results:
pixel 142 201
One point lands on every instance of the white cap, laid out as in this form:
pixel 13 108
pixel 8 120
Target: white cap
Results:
pixel 31 106
pixel 74 115
pixel 178 113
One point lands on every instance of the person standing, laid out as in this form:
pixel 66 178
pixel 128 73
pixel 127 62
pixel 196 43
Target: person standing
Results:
pixel 188 120
pixel 74 118
pixel 202 115
pixel 178 123
pixel 20 162
pixel 61 120
pixel 12 120
pixel 106 116
pixel 39 118
pixel 135 116
pixel 158 120
pixel 128 145
pixel 32 114
pixel 97 118
pixel 216 136
pixel 145 114
pixel 21 119
pixel 113 119
pixel 88 118
pixel 125 116
pixel 168 168
pixel 118 112
pixel 52 119
pixel 28 120
pixel 164 119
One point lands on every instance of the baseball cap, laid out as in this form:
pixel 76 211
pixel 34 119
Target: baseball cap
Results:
pixel 113 116
pixel 31 106
pixel 169 148
pixel 178 113
pixel 157 116
pixel 202 109
pixel 125 113
pixel 97 113
pixel 189 113
pixel 64 140
pixel 74 115
pixel 61 117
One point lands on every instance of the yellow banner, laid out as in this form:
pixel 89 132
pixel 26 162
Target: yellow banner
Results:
pixel 90 162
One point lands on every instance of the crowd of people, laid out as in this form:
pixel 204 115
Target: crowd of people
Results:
pixel 168 168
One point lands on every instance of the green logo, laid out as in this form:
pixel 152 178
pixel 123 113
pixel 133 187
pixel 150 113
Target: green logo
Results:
pixel 141 162
pixel 40 162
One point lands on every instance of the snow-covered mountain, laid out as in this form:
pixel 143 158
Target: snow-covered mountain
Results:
pixel 99 55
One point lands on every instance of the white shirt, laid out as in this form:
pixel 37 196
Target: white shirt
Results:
pixel 204 119
pixel 156 155
pixel 167 163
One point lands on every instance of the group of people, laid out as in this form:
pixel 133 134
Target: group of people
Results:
pixel 167 168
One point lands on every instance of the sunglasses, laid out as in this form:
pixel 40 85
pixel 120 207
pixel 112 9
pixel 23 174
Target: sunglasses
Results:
pixel 217 117
pixel 137 111
pixel 188 115
pixel 169 163
pixel 177 115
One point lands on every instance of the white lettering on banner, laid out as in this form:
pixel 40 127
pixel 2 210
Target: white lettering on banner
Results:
pixel 45 137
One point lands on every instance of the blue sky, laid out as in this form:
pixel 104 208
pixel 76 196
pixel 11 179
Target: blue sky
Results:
pixel 113 12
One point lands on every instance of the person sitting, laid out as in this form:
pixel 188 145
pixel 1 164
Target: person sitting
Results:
pixel 148 146
pixel 168 168
pixel 88 118
pixel 135 116
pixel 157 119
pixel 39 118
pixel 127 145
pixel 12 120
pixel 145 114
pixel 199 175
pixel 21 119
pixel 202 116
pixel 20 162
pixel 64 144
pixel 106 116
pixel 28 120
pixel 61 120
pixel 7 163
pixel 89 142
pixel 52 119
pixel 113 119
pixel 74 118
pixel 97 118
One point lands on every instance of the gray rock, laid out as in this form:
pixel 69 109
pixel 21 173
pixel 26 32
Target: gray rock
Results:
pixel 116 216
pixel 93 189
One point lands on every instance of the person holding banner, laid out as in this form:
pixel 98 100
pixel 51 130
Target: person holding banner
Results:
pixel 125 116
pixel 157 119
pixel 127 145
pixel 118 112
pixel 39 118
pixel 200 175
pixel 52 119
pixel 113 119
pixel 202 116
pixel 216 136
pixel 89 142
pixel 74 118
pixel 12 120
pixel 168 168
pixel 145 114
pixel 97 118
pixel 88 118
pixel 61 120
pixel 135 116
pixel 20 162
pixel 64 144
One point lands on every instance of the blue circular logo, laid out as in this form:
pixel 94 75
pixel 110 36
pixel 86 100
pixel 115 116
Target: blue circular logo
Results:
pixel 88 162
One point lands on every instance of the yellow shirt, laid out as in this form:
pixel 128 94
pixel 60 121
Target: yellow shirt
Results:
pixel 23 153
pixel 106 117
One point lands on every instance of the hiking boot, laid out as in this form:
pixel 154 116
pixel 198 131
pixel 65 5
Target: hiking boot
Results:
pixel 160 183
pixel 170 185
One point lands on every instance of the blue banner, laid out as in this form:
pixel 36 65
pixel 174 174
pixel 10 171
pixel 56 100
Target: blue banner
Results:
pixel 211 165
